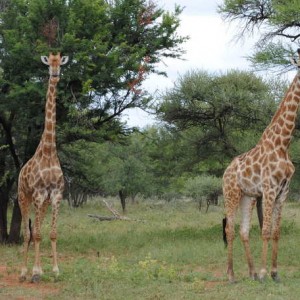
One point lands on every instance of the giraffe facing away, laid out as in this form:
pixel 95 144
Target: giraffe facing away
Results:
pixel 262 174
pixel 41 179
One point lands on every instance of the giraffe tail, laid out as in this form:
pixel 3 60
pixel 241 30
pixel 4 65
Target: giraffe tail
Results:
pixel 30 229
pixel 224 232
pixel 259 210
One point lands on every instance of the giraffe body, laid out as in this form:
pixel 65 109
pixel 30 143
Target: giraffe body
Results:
pixel 263 172
pixel 41 180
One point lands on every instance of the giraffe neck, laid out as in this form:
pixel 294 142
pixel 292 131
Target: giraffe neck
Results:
pixel 48 141
pixel 280 130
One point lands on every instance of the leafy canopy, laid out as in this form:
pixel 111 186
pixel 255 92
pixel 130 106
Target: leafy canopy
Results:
pixel 276 22
pixel 219 115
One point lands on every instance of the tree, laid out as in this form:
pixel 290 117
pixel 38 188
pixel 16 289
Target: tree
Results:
pixel 220 115
pixel 278 23
pixel 112 46
pixel 167 153
pixel 115 168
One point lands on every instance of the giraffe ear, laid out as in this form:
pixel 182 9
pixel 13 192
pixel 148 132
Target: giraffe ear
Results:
pixel 44 60
pixel 293 61
pixel 64 60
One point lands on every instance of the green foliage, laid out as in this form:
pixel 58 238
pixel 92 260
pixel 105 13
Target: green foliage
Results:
pixel 111 167
pixel 266 56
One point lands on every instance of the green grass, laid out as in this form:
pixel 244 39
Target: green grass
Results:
pixel 174 252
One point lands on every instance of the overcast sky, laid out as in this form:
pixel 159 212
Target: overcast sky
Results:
pixel 211 47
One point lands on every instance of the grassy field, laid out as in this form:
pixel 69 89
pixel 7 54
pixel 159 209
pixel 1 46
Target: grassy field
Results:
pixel 172 252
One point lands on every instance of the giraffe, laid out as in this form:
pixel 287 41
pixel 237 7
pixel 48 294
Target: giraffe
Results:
pixel 41 179
pixel 262 174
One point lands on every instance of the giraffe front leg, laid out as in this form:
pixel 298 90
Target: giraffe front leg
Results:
pixel 269 198
pixel 37 270
pixel 230 238
pixel 275 237
pixel 53 234
pixel 276 233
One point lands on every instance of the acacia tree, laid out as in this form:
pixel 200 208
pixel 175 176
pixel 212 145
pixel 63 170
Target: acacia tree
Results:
pixel 112 45
pixel 279 28
pixel 218 115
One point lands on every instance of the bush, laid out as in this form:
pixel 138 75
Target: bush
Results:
pixel 203 187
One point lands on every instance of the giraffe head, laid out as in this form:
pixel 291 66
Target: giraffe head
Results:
pixel 294 61
pixel 54 61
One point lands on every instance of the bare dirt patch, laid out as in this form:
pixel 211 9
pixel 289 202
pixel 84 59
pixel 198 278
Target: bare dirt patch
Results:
pixel 11 288
pixel 219 280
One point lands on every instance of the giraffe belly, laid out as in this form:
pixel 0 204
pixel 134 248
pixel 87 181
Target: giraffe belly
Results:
pixel 252 192
pixel 250 187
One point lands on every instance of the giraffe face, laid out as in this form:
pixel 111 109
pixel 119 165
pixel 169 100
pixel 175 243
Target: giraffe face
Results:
pixel 294 61
pixel 54 61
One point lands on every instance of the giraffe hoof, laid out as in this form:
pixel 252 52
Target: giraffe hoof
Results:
pixel 22 278
pixel 230 275
pixel 231 280
pixel 35 278
pixel 254 276
pixel 262 275
pixel 275 277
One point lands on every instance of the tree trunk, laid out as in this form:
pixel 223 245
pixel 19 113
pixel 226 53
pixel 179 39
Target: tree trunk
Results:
pixel 123 196
pixel 200 204
pixel 15 225
pixel 3 216
pixel 207 205
pixel 14 235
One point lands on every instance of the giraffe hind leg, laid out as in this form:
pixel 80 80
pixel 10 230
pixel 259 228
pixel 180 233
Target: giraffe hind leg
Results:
pixel 247 205
pixel 232 197
pixel 231 208
pixel 25 209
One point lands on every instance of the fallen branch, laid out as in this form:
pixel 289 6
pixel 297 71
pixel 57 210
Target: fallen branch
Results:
pixel 116 215
pixel 105 218
pixel 111 209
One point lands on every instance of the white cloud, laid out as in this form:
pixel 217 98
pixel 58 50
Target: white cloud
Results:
pixel 210 47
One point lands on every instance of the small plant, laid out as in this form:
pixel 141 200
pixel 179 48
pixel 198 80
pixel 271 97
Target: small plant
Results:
pixel 155 269
pixel 114 266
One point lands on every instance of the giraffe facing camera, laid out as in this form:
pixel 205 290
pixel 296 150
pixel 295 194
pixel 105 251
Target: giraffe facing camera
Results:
pixel 54 61
pixel 41 181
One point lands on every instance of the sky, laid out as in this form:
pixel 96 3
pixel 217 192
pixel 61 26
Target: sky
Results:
pixel 211 47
